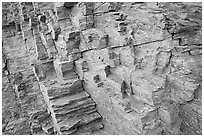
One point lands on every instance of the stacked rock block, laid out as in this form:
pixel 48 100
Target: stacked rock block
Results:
pixel 84 17
pixel 53 53
pixel 21 77
pixel 147 50
pixel 73 111
pixel 29 38
pixel 63 15
pixel 66 70
pixel 187 32
pixel 87 21
pixel 71 107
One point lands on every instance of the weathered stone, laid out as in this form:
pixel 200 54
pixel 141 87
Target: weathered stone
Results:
pixel 46 6
pixel 152 115
pixel 64 24
pixel 18 127
pixel 57 31
pixel 21 87
pixel 35 127
pixel 123 89
pixel 191 119
pixel 81 67
pixel 91 127
pixel 169 113
pixel 45 70
pixel 18 27
pixel 69 99
pixel 63 13
pixel 162 61
pixel 27 34
pixel 146 86
pixel 89 21
pixel 114 6
pixel 85 67
pixel 150 121
pixel 41 50
pixel 44 122
pixel 51 46
pixel 161 96
pixel 100 84
pixel 74 105
pixel 73 41
pixel 86 22
pixel 74 111
pixel 96 78
pixel 69 125
pixel 34 21
pixel 65 69
pixel 174 128
pixel 126 57
pixel 101 7
pixel 69 4
pixel 103 43
pixel 185 64
pixel 90 118
pixel 196 52
pixel 69 132
pixel 107 70
pixel 82 23
pixel 76 87
pixel 82 113
pixel 49 130
pixel 18 77
pixel 156 131
pixel 43 19
pixel 182 90
pixel 149 51
pixel 88 8
pixel 115 57
pixel 9 30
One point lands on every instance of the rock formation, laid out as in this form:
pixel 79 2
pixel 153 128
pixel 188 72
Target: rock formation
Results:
pixel 101 68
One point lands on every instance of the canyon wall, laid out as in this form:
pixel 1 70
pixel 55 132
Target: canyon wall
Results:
pixel 101 68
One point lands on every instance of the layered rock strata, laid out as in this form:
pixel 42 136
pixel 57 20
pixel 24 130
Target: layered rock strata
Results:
pixel 102 68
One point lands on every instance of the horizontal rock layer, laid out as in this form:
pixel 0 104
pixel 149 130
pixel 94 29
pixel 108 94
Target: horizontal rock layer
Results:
pixel 77 67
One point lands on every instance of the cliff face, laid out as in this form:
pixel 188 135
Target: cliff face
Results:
pixel 102 68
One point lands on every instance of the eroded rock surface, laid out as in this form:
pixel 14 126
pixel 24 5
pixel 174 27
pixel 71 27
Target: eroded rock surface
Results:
pixel 101 68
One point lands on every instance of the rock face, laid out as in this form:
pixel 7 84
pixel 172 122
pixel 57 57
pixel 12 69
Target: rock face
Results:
pixel 101 68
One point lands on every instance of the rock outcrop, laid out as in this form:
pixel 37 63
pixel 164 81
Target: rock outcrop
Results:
pixel 101 68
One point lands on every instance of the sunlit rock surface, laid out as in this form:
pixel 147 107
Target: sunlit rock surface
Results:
pixel 101 68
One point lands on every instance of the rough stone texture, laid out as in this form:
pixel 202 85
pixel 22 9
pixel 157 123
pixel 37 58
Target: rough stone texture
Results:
pixel 101 68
